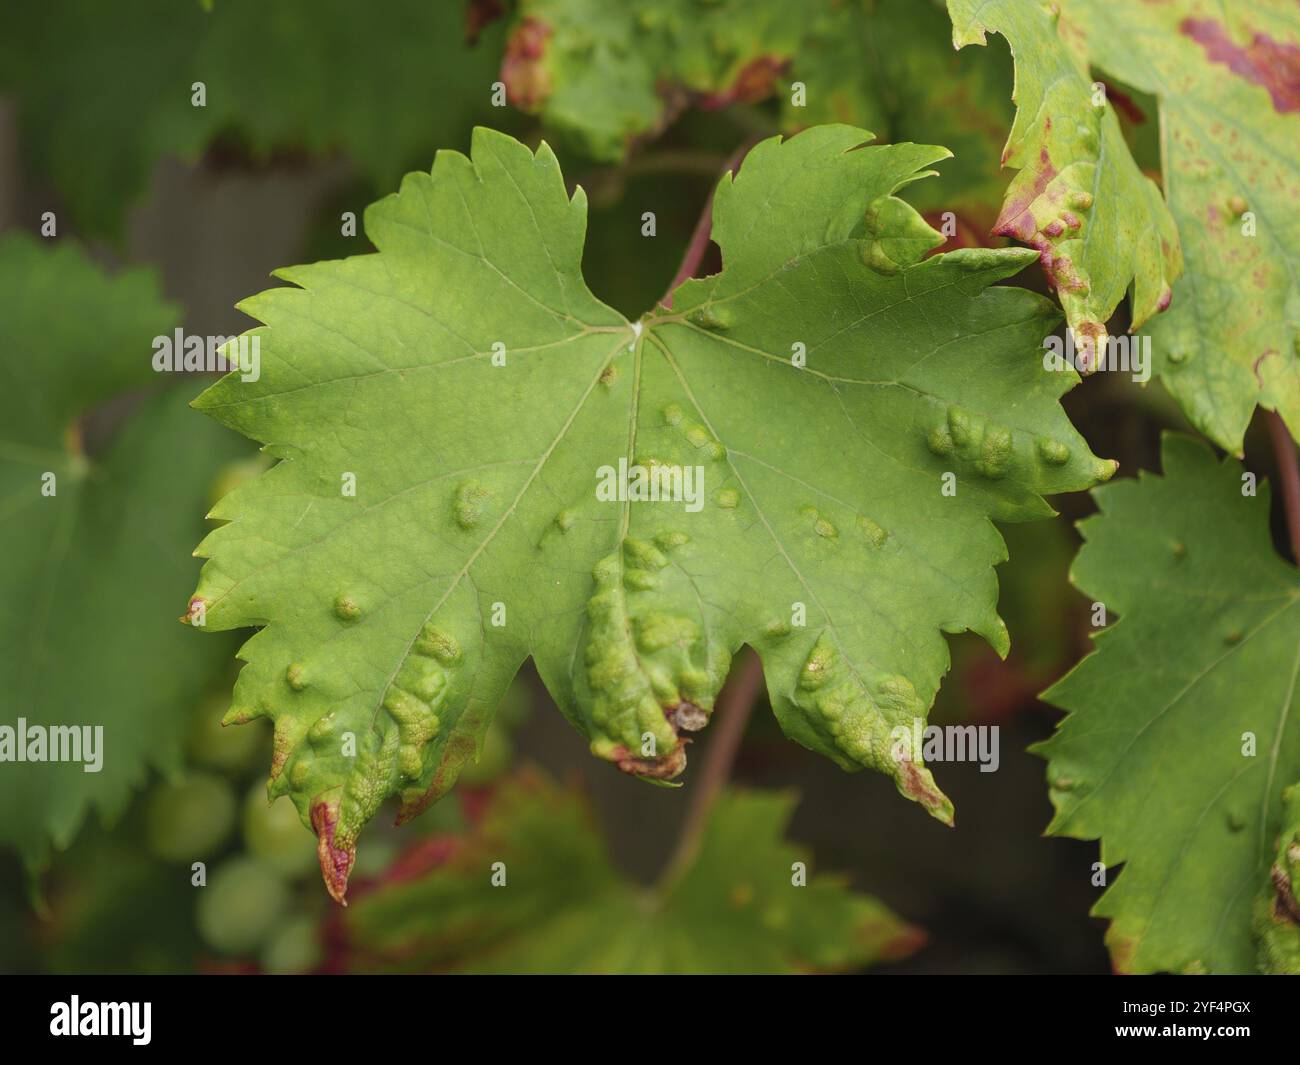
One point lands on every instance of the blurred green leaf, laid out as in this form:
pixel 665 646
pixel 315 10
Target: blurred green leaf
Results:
pixel 113 83
pixel 1177 748
pixel 564 908
pixel 91 575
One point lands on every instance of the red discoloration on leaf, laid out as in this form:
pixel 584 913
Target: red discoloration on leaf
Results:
pixel 1265 62
pixel 1121 950
pixel 1017 217
pixel 527 81
pixel 915 786
pixel 335 862
pixel 460 749
pixel 755 82
pixel 908 941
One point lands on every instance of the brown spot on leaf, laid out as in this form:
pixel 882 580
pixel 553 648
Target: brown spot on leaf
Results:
pixel 1265 62
pixel 687 717
pixel 665 768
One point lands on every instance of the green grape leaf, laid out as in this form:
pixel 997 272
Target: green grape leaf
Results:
pixel 1078 196
pixel 298 75
pixel 1181 737
pixel 1229 96
pixel 815 440
pixel 563 907
pixel 605 76
pixel 89 576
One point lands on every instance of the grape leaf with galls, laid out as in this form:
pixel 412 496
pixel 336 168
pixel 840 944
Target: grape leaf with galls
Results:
pixel 96 540
pixel 1229 91
pixel 737 907
pixel 1182 732
pixel 828 386
pixel 1099 224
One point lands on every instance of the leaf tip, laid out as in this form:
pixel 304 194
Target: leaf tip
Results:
pixel 335 859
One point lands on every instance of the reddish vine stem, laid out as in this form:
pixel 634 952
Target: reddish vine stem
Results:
pixel 699 242
pixel 735 705
pixel 1288 473
pixel 736 702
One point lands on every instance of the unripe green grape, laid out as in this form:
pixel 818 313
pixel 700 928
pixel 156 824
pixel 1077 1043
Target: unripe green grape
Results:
pixel 189 820
pixel 294 947
pixel 240 905
pixel 277 835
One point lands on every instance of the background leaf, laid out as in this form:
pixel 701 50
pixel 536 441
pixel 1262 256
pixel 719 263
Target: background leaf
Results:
pixel 564 908
pixel 295 76
pixel 90 576
pixel 1151 759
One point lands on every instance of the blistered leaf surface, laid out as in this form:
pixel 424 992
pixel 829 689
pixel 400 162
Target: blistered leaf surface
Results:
pixel 1099 224
pixel 1228 80
pixel 447 410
